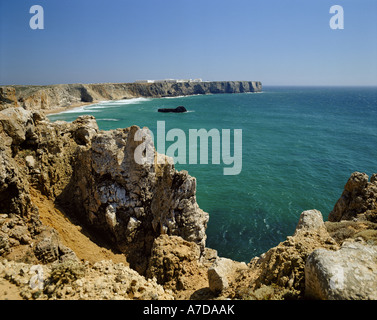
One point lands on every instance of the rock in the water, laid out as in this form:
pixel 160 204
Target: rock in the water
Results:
pixel 179 109
pixel 347 274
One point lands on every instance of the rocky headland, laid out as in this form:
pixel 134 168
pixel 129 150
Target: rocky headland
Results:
pixel 80 219
pixel 59 97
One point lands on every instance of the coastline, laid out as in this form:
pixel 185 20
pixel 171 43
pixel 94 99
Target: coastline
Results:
pixel 81 173
pixel 60 98
pixel 49 112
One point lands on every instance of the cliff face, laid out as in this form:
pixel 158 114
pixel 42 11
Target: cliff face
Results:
pixel 58 96
pixel 93 175
pixel 149 213
pixel 358 200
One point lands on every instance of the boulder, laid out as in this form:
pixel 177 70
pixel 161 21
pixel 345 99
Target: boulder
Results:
pixel 174 262
pixel 16 123
pixel 221 273
pixel 347 274
pixel 84 128
pixel 49 248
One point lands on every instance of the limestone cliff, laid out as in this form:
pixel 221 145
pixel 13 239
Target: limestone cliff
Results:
pixel 148 213
pixel 93 175
pixel 358 200
pixel 58 96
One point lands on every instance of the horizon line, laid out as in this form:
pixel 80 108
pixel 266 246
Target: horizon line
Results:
pixel 263 84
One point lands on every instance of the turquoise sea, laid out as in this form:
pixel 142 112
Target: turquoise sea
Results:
pixel 300 146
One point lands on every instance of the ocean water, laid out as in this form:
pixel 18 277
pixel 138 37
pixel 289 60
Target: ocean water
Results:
pixel 299 147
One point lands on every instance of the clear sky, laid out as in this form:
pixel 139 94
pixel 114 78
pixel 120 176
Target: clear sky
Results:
pixel 279 42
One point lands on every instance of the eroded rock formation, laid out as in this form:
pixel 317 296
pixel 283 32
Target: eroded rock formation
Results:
pixel 148 212
pixel 358 200
pixel 94 176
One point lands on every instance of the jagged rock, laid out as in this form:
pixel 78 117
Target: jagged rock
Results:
pixel 94 175
pixel 221 272
pixel 347 274
pixel 358 200
pixel 30 161
pixel 8 97
pixel 26 239
pixel 132 203
pixel 17 123
pixel 5 246
pixel 175 263
pixel 47 250
pixel 310 220
pixel 284 264
pixel 343 230
pixel 14 227
pixel 208 257
pixel 50 249
pixel 14 187
pixel 84 128
pixel 20 234
pixel 73 280
pixel 147 210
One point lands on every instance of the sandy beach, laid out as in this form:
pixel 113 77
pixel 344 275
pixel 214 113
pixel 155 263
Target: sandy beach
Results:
pixel 70 107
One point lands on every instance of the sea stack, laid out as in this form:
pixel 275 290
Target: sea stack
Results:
pixel 180 109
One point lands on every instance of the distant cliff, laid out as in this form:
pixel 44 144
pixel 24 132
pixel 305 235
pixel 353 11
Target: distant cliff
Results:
pixel 65 95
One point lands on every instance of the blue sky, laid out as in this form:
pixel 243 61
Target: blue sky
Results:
pixel 277 42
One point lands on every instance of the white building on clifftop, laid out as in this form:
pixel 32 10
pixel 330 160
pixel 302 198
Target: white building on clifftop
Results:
pixel 144 81
pixel 169 81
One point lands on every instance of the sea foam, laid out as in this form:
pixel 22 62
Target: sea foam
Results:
pixel 96 107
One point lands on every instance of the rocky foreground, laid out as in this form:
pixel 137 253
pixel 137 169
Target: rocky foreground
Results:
pixel 80 219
